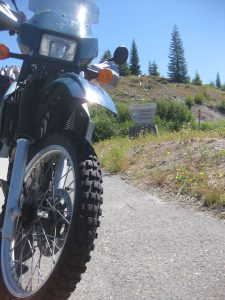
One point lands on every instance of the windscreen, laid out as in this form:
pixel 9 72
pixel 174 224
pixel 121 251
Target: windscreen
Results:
pixel 82 11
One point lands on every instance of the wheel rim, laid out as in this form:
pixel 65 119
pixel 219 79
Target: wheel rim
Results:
pixel 42 230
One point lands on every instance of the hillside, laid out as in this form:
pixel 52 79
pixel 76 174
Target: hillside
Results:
pixel 187 165
pixel 134 89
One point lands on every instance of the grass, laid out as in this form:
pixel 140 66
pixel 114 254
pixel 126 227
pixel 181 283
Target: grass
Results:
pixel 113 156
pixel 160 88
pixel 189 162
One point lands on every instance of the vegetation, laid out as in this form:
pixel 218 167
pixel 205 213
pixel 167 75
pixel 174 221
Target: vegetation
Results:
pixel 186 158
pixel 170 115
pixel 124 70
pixel 183 163
pixel 221 106
pixel 135 67
pixel 106 55
pixel 107 125
pixel 218 81
pixel 177 68
pixel 199 98
pixel 153 69
pixel 189 101
pixel 197 80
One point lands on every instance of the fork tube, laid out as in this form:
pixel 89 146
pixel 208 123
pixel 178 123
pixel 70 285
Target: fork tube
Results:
pixel 13 210
pixel 60 173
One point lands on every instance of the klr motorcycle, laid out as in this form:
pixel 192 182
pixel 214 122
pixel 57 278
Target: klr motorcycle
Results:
pixel 53 190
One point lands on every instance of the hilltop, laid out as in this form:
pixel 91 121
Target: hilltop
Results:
pixel 135 89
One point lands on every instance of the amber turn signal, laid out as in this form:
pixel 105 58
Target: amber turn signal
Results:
pixel 105 76
pixel 4 51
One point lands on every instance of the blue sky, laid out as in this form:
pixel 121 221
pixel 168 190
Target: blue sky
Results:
pixel 201 24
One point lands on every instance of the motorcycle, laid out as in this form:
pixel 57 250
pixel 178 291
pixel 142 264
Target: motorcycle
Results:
pixel 53 191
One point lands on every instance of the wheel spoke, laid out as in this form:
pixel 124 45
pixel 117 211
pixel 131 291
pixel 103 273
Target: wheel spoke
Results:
pixel 43 231
pixel 59 213
pixel 33 270
pixel 69 170
pixel 43 227
pixel 54 246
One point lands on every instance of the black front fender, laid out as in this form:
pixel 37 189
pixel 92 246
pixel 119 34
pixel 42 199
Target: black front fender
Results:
pixel 83 90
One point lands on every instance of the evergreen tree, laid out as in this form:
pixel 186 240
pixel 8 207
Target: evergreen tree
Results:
pixel 177 67
pixel 197 80
pixel 135 67
pixel 107 55
pixel 124 69
pixel 153 69
pixel 218 81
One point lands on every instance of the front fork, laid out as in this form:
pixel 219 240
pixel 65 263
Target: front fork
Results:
pixel 13 209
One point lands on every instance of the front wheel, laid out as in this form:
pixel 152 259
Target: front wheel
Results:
pixel 60 203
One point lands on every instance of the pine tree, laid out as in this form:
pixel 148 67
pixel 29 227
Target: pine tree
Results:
pixel 124 69
pixel 177 67
pixel 197 80
pixel 153 69
pixel 107 55
pixel 218 81
pixel 135 67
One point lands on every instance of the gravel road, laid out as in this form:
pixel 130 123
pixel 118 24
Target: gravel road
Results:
pixel 153 249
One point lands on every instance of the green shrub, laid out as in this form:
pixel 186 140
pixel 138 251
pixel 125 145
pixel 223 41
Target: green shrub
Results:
pixel 123 112
pixel 107 125
pixel 199 98
pixel 221 106
pixel 104 127
pixel 172 115
pixel 189 101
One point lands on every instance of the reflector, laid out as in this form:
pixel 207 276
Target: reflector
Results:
pixel 105 76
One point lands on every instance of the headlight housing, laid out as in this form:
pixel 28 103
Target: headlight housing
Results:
pixel 58 47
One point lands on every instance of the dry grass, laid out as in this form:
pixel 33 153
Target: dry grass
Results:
pixel 185 163
pixel 150 88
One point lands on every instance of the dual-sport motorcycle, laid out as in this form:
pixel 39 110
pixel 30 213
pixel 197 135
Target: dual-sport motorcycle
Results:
pixel 53 190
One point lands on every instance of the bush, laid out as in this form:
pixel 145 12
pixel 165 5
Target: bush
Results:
pixel 172 115
pixel 221 106
pixel 199 98
pixel 107 125
pixel 189 101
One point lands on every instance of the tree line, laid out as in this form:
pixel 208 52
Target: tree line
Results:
pixel 177 66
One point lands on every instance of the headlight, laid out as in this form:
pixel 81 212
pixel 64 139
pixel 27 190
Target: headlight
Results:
pixel 57 47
